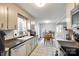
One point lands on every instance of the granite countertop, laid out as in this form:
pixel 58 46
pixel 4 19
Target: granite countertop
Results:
pixel 65 40
pixel 67 43
pixel 15 41
pixel 12 42
pixel 12 37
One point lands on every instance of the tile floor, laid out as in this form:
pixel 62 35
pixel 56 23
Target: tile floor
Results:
pixel 47 49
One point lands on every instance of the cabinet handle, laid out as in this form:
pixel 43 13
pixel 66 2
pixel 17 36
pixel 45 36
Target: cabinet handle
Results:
pixel 1 25
pixel 7 19
pixel 15 26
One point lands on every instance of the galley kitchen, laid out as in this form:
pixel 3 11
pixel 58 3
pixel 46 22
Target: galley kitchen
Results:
pixel 39 29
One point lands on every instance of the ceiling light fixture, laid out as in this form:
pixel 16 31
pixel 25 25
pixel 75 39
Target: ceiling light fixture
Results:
pixel 47 21
pixel 40 4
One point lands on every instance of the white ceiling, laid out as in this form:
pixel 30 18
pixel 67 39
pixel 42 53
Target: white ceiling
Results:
pixel 51 11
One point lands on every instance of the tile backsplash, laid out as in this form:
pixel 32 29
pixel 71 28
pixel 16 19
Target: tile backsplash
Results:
pixel 9 34
pixel 13 33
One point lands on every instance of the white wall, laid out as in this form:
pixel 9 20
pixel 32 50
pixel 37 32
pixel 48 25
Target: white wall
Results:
pixel 45 27
pixel 48 27
pixel 37 28
pixel 41 27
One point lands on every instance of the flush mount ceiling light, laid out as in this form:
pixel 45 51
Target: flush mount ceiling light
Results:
pixel 47 21
pixel 40 4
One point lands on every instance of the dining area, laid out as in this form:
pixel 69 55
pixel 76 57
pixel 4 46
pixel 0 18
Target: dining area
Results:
pixel 48 37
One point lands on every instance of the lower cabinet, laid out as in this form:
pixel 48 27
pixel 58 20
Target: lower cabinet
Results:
pixel 33 43
pixel 14 52
pixel 25 48
pixel 28 47
pixel 20 50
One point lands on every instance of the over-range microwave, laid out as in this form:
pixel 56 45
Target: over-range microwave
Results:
pixel 75 17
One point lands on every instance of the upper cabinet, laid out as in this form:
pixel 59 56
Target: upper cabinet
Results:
pixel 69 7
pixel 12 18
pixel 76 4
pixel 8 17
pixel 3 17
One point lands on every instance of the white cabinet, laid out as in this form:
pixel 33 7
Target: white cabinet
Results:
pixel 33 43
pixel 20 50
pixel 28 47
pixel 25 48
pixel 12 18
pixel 14 51
pixel 3 17
pixel 8 17
pixel 76 4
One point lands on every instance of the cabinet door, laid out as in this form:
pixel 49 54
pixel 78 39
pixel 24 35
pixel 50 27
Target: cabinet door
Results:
pixel 28 47
pixel 3 17
pixel 14 52
pixel 19 50
pixel 22 50
pixel 12 18
pixel 33 43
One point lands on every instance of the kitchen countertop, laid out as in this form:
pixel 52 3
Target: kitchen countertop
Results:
pixel 12 42
pixel 15 41
pixel 13 37
pixel 67 43
pixel 65 40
